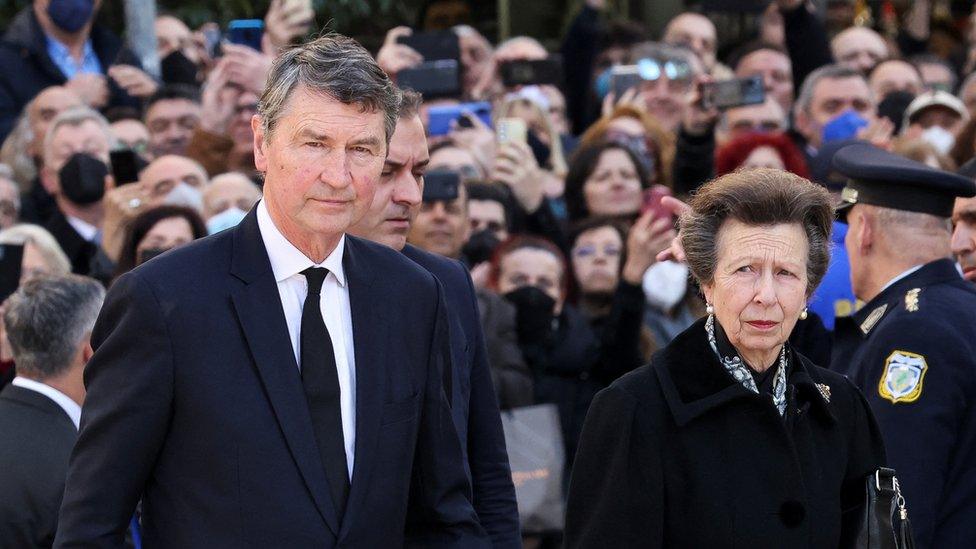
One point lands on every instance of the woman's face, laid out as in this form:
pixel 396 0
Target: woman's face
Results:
pixel 760 284
pixel 596 260
pixel 532 267
pixel 614 187
pixel 764 157
pixel 166 234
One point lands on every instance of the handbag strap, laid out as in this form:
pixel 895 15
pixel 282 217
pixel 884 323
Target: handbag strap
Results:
pixel 883 499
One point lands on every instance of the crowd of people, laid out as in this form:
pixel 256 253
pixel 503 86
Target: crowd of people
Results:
pixel 645 205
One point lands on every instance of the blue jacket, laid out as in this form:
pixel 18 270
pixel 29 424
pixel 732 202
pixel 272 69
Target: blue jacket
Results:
pixel 834 297
pixel 473 403
pixel 26 69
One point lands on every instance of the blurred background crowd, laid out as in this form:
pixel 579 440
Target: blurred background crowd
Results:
pixel 555 130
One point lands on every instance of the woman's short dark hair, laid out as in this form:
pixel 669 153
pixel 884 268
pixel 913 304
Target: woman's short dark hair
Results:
pixel 144 222
pixel 757 197
pixel 581 167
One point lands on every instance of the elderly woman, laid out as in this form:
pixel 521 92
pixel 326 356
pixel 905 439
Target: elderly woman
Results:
pixel 730 438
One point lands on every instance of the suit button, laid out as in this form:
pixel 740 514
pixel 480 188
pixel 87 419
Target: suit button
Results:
pixel 792 513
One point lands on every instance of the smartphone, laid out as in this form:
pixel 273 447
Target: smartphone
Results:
pixel 652 202
pixel 433 79
pixel 440 117
pixel 441 185
pixel 511 130
pixel 246 32
pixel 125 166
pixel 532 73
pixel 211 39
pixel 624 77
pixel 737 92
pixel 434 45
pixel 11 256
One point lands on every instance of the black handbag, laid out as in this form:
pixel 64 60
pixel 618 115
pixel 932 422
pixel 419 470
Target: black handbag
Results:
pixel 885 523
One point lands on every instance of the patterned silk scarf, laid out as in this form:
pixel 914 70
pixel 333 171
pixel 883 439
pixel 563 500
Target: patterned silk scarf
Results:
pixel 741 373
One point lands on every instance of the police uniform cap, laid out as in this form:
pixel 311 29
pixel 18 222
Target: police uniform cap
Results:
pixel 888 180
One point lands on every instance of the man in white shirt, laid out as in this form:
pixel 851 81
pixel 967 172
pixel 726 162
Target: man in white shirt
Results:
pixel 48 323
pixel 76 174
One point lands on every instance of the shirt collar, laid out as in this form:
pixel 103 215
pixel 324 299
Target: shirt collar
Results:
pixel 901 276
pixel 69 406
pixel 85 229
pixel 286 259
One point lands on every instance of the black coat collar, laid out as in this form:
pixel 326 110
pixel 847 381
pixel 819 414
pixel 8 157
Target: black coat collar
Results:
pixel 694 382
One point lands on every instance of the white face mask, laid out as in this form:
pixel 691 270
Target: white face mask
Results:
pixel 185 195
pixel 225 220
pixel 665 283
pixel 940 138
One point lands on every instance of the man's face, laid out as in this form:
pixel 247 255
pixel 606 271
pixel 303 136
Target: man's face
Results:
pixel 166 172
pixel 229 190
pixel 765 118
pixel 665 99
pixel 964 236
pixel 776 71
pixel 488 215
pixel 458 160
pixel 895 75
pixel 171 123
pixel 859 48
pixel 442 227
pixel 475 54
pixel 42 110
pixel 695 32
pixel 400 190
pixel 852 244
pixel 322 163
pixel 173 35
pixel 87 137
pixel 133 134
pixel 831 97
pixel 239 129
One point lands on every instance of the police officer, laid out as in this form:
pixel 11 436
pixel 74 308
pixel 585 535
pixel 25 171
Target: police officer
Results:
pixel 912 347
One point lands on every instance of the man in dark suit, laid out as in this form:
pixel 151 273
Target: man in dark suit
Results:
pixel 48 322
pixel 473 403
pixel 279 384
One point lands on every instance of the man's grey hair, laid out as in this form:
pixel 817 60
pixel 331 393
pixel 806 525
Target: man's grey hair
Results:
pixel 76 116
pixel 410 104
pixel 333 65
pixel 47 318
pixel 834 71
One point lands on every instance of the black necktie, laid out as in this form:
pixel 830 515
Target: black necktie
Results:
pixel 321 383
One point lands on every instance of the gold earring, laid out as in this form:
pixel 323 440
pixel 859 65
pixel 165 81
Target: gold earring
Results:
pixel 709 309
pixel 803 314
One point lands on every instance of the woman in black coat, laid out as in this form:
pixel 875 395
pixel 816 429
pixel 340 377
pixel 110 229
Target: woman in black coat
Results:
pixel 730 438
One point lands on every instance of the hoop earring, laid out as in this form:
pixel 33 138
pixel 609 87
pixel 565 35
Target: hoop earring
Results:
pixel 804 314
pixel 709 309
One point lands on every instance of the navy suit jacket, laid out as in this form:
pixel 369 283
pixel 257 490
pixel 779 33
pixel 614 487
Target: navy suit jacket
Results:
pixel 473 403
pixel 195 406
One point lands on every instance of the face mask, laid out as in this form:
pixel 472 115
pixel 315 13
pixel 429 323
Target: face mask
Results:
pixel 177 68
pixel 185 195
pixel 843 126
pixel 940 138
pixel 70 15
pixel 225 220
pixel 82 179
pixel 534 313
pixel 480 246
pixel 665 283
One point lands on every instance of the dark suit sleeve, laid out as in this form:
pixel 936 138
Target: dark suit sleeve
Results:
pixel 615 493
pixel 125 418
pixel 491 476
pixel 806 42
pixel 440 512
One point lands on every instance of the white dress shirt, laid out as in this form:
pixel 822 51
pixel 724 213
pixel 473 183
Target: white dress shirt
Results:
pixel 69 406
pixel 85 229
pixel 287 264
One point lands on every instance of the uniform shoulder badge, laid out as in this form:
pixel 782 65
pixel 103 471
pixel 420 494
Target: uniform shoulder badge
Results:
pixel 901 380
pixel 911 300
pixel 873 318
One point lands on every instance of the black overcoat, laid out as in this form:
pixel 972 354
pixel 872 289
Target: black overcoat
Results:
pixel 679 454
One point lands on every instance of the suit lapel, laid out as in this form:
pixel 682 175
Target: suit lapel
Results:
pixel 259 311
pixel 369 331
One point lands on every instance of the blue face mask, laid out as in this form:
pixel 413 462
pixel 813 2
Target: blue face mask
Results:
pixel 843 126
pixel 70 15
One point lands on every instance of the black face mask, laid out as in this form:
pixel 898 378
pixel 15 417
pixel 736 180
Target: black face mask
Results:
pixel 480 246
pixel 83 179
pixel 177 68
pixel 534 314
